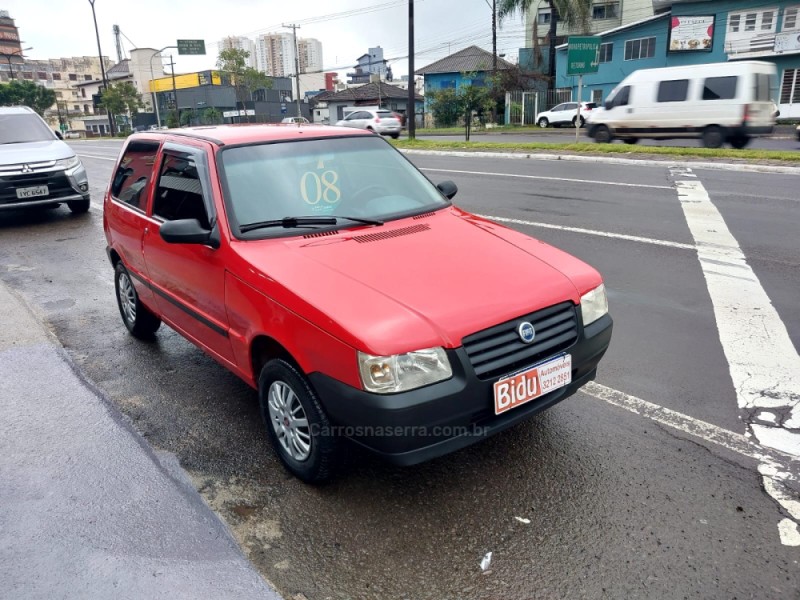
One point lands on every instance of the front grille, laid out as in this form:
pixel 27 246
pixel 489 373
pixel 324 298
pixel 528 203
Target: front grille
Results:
pixel 56 181
pixel 499 349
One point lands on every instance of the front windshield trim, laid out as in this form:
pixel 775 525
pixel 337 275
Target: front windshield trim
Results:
pixel 261 234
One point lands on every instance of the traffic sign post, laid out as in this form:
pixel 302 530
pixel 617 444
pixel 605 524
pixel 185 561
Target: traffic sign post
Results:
pixel 191 46
pixel 583 56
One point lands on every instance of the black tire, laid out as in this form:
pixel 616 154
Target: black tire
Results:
pixel 78 207
pixel 631 141
pixel 543 123
pixel 712 137
pixel 602 135
pixel 137 317
pixel 318 465
pixel 395 136
pixel 583 121
pixel 739 141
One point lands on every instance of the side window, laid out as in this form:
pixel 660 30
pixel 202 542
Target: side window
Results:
pixel 133 174
pixel 720 88
pixel 622 97
pixel 559 108
pixel 179 194
pixel 673 91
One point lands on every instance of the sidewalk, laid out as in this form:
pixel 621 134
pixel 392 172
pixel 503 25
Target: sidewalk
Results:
pixel 87 509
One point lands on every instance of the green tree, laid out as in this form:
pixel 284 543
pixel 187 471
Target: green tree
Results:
pixel 576 14
pixel 445 106
pixel 245 80
pixel 122 99
pixel 27 93
pixel 211 116
pixel 186 117
pixel 172 119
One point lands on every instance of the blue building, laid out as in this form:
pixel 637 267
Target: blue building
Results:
pixel 699 32
pixel 472 65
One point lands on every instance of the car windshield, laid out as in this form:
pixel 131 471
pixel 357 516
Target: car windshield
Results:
pixel 21 128
pixel 354 176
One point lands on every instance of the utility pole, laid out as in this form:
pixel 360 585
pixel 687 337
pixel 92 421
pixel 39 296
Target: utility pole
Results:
pixel 112 129
pixel 175 91
pixel 411 111
pixel 494 37
pixel 294 29
pixel 118 43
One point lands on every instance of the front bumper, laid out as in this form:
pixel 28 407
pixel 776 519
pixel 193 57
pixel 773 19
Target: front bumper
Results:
pixel 415 426
pixel 63 186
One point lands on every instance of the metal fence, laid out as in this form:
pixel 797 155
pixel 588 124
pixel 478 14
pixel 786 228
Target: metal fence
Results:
pixel 523 106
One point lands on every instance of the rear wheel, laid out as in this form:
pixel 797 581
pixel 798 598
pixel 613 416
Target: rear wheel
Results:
pixel 395 136
pixel 712 137
pixel 583 121
pixel 602 134
pixel 297 425
pixel 79 206
pixel 631 141
pixel 137 318
pixel 739 141
pixel 544 123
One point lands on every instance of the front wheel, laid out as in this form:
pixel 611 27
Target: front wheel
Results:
pixel 395 136
pixel 297 425
pixel 137 318
pixel 544 123
pixel 602 135
pixel 631 141
pixel 583 121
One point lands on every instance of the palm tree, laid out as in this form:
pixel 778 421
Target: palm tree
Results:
pixel 575 13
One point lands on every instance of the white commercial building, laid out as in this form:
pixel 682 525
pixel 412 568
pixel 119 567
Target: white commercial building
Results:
pixel 241 43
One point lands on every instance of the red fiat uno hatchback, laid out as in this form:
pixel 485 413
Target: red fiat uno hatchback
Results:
pixel 320 266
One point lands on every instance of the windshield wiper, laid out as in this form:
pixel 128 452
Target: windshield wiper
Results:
pixel 292 222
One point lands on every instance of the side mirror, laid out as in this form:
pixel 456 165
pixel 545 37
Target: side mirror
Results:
pixel 188 231
pixel 58 134
pixel 448 189
pixel 607 105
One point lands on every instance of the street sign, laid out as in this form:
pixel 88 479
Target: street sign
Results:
pixel 63 127
pixel 283 109
pixel 191 46
pixel 583 55
pixel 238 113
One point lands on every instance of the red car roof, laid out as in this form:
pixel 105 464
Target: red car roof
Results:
pixel 249 133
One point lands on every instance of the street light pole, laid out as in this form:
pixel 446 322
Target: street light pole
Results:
pixel 411 110
pixel 152 79
pixel 102 67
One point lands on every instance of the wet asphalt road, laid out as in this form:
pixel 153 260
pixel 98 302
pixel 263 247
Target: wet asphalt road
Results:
pixel 584 501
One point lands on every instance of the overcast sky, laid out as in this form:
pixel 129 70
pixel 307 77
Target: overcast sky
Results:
pixel 57 28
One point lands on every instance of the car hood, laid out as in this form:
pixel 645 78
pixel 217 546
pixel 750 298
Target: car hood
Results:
pixel 415 283
pixel 30 152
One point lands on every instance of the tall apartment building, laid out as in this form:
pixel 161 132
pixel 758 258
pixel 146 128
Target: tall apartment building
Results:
pixel 10 47
pixel 240 43
pixel 275 54
pixel 309 51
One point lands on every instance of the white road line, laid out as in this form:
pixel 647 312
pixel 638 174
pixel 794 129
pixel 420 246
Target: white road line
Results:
pixel 587 181
pixel 607 234
pixel 708 432
pixel 764 365
pixel 97 157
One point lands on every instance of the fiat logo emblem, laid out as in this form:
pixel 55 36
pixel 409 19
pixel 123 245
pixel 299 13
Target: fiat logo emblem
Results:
pixel 526 332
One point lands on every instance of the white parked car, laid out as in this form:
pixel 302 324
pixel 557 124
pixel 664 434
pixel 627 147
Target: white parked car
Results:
pixel 378 121
pixel 294 120
pixel 565 114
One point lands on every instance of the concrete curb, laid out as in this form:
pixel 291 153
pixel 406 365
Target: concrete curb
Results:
pixel 89 509
pixel 613 160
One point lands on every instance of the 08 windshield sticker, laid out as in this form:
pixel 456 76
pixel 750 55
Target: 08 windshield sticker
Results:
pixel 320 189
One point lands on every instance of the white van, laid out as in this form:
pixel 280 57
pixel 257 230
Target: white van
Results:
pixel 716 102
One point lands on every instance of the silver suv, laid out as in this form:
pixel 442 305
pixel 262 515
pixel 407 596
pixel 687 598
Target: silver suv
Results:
pixel 36 168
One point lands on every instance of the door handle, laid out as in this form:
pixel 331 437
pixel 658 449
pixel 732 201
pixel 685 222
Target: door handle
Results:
pixel 629 111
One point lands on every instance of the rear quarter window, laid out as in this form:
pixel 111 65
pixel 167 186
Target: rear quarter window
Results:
pixel 134 173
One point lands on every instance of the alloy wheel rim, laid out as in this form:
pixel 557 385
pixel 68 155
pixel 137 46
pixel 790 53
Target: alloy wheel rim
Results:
pixel 289 421
pixel 127 298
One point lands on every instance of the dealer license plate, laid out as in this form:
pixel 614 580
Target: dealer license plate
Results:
pixel 32 192
pixel 527 385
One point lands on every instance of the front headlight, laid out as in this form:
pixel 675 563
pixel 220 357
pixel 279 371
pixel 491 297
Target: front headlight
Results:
pixel 403 372
pixel 69 163
pixel 594 304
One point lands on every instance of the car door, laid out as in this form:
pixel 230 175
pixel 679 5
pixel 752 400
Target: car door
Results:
pixel 351 120
pixel 568 112
pixel 188 279
pixel 125 209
